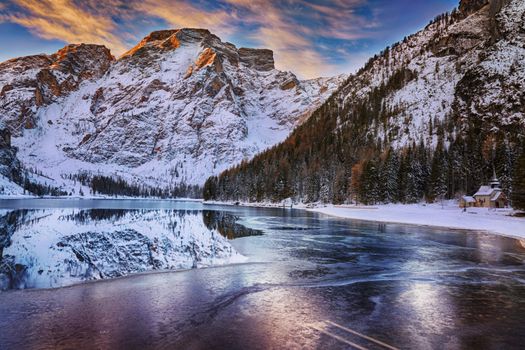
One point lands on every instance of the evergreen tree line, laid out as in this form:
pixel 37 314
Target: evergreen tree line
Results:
pixel 100 184
pixel 107 185
pixel 38 189
pixel 407 175
pixel 24 179
pixel 518 189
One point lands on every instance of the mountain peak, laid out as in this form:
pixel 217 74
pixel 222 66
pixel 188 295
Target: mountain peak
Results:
pixel 82 59
pixel 214 49
pixel 168 39
pixel 164 34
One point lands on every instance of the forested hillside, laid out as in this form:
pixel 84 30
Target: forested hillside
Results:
pixel 428 118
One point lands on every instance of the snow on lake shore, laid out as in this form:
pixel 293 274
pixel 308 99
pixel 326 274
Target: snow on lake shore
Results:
pixel 449 215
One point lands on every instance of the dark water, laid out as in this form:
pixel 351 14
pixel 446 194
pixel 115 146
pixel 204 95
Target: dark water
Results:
pixel 310 282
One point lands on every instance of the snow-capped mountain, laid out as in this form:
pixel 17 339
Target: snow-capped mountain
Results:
pixel 470 62
pixel 431 116
pixel 178 107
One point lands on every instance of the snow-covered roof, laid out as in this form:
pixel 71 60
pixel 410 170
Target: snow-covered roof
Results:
pixel 494 180
pixel 484 191
pixel 469 199
pixel 287 201
pixel 496 196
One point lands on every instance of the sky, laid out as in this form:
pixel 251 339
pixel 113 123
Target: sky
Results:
pixel 311 38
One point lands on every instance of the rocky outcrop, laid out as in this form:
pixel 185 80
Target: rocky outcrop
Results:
pixel 30 82
pixel 459 40
pixel 289 84
pixel 260 59
pixel 471 6
pixel 493 90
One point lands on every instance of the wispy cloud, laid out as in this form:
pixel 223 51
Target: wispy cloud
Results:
pixel 293 29
pixel 276 31
pixel 65 20
pixel 340 19
pixel 181 14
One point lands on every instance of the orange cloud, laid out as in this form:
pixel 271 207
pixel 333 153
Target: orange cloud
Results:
pixel 64 20
pixel 289 40
pixel 341 20
pixel 181 14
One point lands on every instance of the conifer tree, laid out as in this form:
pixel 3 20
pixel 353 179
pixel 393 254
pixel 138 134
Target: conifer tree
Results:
pixel 369 189
pixel 388 179
pixel 438 174
pixel 518 185
pixel 402 178
pixel 355 185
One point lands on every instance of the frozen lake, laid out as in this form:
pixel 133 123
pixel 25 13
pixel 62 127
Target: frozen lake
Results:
pixel 270 278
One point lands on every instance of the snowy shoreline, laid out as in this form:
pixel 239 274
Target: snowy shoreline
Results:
pixel 476 219
pixel 497 222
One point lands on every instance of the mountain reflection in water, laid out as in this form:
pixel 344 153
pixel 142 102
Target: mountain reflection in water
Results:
pixel 227 225
pixel 55 247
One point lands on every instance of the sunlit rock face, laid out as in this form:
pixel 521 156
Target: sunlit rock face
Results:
pixel 31 82
pixel 52 248
pixel 178 107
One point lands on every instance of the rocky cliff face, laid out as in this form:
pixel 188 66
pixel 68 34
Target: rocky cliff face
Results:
pixel 178 107
pixel 471 6
pixel 28 83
